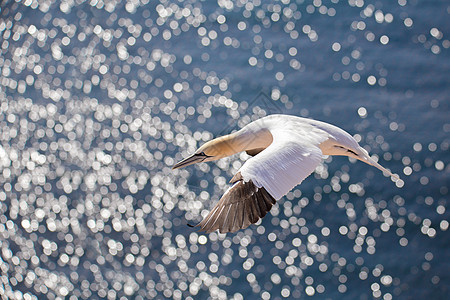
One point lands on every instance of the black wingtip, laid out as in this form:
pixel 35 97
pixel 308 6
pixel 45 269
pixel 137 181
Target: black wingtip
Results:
pixel 190 225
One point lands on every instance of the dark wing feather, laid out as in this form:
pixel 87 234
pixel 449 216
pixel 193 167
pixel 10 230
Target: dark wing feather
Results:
pixel 253 152
pixel 241 205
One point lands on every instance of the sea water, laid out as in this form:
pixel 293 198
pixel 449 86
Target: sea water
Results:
pixel 100 98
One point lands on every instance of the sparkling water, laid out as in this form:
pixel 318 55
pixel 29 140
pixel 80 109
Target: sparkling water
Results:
pixel 100 98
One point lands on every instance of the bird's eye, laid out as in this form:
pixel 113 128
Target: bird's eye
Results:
pixel 202 154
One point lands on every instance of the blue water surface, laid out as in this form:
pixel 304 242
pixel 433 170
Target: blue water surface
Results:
pixel 100 98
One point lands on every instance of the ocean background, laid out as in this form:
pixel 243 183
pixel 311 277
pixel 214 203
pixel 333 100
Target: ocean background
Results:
pixel 98 99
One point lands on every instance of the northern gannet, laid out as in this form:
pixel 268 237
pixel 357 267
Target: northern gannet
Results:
pixel 286 149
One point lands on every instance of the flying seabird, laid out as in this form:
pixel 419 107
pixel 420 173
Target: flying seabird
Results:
pixel 286 149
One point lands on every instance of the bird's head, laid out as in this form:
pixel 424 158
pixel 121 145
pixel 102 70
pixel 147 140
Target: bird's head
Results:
pixel 212 150
pixel 224 146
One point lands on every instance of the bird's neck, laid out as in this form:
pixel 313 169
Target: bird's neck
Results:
pixel 242 140
pixel 253 139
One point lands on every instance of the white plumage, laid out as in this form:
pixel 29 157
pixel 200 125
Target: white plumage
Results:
pixel 282 165
pixel 287 149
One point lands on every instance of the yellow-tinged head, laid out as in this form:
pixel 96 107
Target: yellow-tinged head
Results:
pixel 212 150
pixel 227 145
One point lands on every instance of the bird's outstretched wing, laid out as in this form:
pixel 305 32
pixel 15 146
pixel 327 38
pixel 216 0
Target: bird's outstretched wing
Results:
pixel 263 179
pixel 241 205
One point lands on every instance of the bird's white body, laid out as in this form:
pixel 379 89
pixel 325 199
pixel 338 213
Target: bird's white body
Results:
pixel 294 153
pixel 287 149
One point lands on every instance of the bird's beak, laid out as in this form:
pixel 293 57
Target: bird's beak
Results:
pixel 193 159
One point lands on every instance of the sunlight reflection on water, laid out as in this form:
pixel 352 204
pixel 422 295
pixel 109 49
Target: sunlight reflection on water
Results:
pixel 100 99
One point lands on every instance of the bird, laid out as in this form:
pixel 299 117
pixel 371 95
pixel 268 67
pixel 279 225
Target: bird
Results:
pixel 284 150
